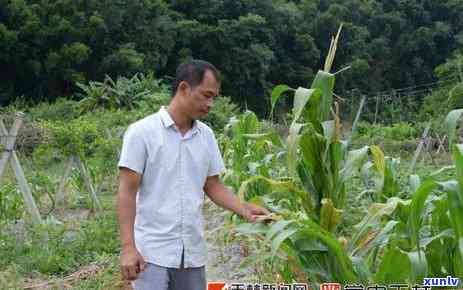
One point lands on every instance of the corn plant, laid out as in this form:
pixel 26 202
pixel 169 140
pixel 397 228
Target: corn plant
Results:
pixel 250 149
pixel 410 232
pixel 318 164
pixel 408 239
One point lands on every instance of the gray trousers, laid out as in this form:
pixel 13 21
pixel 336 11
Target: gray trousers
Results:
pixel 156 277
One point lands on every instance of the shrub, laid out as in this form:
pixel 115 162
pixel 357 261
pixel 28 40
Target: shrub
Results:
pixel 62 109
pixel 220 113
pixel 11 202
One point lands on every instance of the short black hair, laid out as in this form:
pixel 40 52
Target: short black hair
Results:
pixel 193 72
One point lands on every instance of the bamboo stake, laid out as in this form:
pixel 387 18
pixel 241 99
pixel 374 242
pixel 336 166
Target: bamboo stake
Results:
pixel 62 183
pixel 376 108
pixel 419 148
pixel 25 189
pixel 10 155
pixel 357 117
pixel 88 182
pixel 10 140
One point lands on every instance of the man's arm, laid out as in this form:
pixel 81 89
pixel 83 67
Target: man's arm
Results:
pixel 131 261
pixel 223 197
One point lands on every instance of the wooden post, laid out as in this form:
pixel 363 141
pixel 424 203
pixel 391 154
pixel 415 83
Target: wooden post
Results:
pixel 357 117
pixel 419 148
pixel 10 155
pixel 399 101
pixel 10 140
pixel 88 182
pixel 441 143
pixel 110 136
pixel 429 150
pixel 25 189
pixel 376 108
pixel 62 183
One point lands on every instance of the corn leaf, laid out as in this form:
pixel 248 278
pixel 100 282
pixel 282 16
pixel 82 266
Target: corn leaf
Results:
pixel 362 269
pixel 281 237
pixel 456 196
pixel 415 182
pixel 378 158
pixel 251 229
pixel 305 244
pixel 312 147
pixel 373 218
pixel 332 51
pixel 282 186
pixel 301 98
pixel 457 153
pixel 419 266
pixel 337 190
pixel 328 129
pixel 276 93
pixel 292 145
pixel 394 266
pixel 458 260
pixel 323 81
pixel 354 161
pixel 277 228
pixel 378 236
pixel 344 272
pixel 451 124
pixel 416 211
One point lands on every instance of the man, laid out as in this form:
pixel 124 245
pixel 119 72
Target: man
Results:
pixel 168 160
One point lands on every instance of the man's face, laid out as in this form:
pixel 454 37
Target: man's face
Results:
pixel 200 98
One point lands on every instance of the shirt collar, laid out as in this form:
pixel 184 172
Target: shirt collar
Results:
pixel 167 121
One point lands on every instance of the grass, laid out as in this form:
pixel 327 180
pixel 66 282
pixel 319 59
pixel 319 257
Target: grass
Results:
pixel 71 244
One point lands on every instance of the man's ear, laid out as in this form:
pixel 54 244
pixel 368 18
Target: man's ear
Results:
pixel 184 88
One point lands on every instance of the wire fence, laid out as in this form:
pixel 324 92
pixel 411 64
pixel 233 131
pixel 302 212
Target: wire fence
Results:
pixel 391 106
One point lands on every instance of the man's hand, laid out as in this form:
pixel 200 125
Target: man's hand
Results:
pixel 225 198
pixel 132 263
pixel 251 212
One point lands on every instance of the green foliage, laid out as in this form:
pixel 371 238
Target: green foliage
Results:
pixel 48 47
pixel 60 110
pixel 396 131
pixel 126 60
pixel 449 95
pixel 220 113
pixel 106 156
pixel 398 137
pixel 76 137
pixel 11 202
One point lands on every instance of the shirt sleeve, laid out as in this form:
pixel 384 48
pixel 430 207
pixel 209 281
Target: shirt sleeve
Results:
pixel 216 166
pixel 133 154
